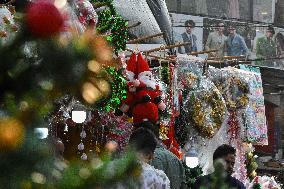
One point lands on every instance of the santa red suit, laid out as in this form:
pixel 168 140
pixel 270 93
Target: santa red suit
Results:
pixel 144 95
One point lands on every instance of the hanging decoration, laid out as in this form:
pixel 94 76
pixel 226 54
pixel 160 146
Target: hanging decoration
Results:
pixel 255 120
pixel 206 109
pixel 87 14
pixel 144 97
pixel 251 163
pixel 118 89
pixel 113 26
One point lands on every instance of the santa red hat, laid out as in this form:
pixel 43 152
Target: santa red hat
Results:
pixel 142 66
pixel 131 68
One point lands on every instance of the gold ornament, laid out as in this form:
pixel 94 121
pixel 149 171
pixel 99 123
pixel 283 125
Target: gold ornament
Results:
pixel 208 112
pixel 12 134
pixel 253 174
pixel 163 132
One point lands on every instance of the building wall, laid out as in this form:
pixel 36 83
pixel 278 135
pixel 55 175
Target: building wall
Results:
pixel 258 10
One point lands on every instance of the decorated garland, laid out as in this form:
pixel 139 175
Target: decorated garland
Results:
pixel 118 88
pixel 110 21
pixel 208 111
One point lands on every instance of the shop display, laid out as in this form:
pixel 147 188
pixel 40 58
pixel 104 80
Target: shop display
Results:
pixel 63 58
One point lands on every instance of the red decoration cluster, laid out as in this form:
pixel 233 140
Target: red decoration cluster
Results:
pixel 234 126
pixel 44 19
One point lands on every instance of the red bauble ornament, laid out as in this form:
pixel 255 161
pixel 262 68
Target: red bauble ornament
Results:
pixel 44 19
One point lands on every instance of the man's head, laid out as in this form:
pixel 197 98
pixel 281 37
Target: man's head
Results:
pixel 189 25
pixel 231 29
pixel 270 32
pixel 148 125
pixel 144 142
pixel 220 26
pixel 227 153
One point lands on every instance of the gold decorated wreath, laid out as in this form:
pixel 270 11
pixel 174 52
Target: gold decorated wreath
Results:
pixel 208 112
pixel 235 92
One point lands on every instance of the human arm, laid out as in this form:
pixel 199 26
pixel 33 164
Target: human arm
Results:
pixel 259 48
pixel 244 48
pixel 208 42
pixel 194 45
pixel 226 47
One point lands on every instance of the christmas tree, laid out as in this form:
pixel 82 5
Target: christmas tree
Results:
pixel 39 64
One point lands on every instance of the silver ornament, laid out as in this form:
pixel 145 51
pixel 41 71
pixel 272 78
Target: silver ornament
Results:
pixel 84 157
pixel 81 146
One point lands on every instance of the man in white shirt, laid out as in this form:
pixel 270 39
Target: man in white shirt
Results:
pixel 144 143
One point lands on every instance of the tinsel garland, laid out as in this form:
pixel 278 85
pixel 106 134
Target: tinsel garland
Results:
pixel 118 88
pixel 110 21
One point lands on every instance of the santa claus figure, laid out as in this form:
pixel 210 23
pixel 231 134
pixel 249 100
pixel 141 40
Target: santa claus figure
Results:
pixel 144 95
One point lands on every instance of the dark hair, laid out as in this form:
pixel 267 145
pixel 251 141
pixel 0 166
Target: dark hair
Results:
pixel 231 24
pixel 189 22
pixel 148 125
pixel 271 29
pixel 143 140
pixel 223 151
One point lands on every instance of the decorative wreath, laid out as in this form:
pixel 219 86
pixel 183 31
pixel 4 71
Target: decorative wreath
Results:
pixel 235 92
pixel 208 111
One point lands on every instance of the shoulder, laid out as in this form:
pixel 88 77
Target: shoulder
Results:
pixel 194 36
pixel 202 180
pixel 239 37
pixel 159 177
pixel 183 34
pixel 237 183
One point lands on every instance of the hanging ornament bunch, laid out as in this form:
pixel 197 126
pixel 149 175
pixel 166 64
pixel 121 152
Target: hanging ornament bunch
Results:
pixel 251 163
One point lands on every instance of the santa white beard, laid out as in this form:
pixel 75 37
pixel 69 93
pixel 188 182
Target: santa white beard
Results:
pixel 148 80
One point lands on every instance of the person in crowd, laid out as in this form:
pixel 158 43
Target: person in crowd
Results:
pixel 144 142
pixel 279 40
pixel 166 160
pixel 188 36
pixel 266 48
pixel 216 40
pixel 226 153
pixel 235 44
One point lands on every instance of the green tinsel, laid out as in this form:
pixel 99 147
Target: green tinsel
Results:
pixel 118 87
pixel 257 186
pixel 109 20
pixel 165 74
